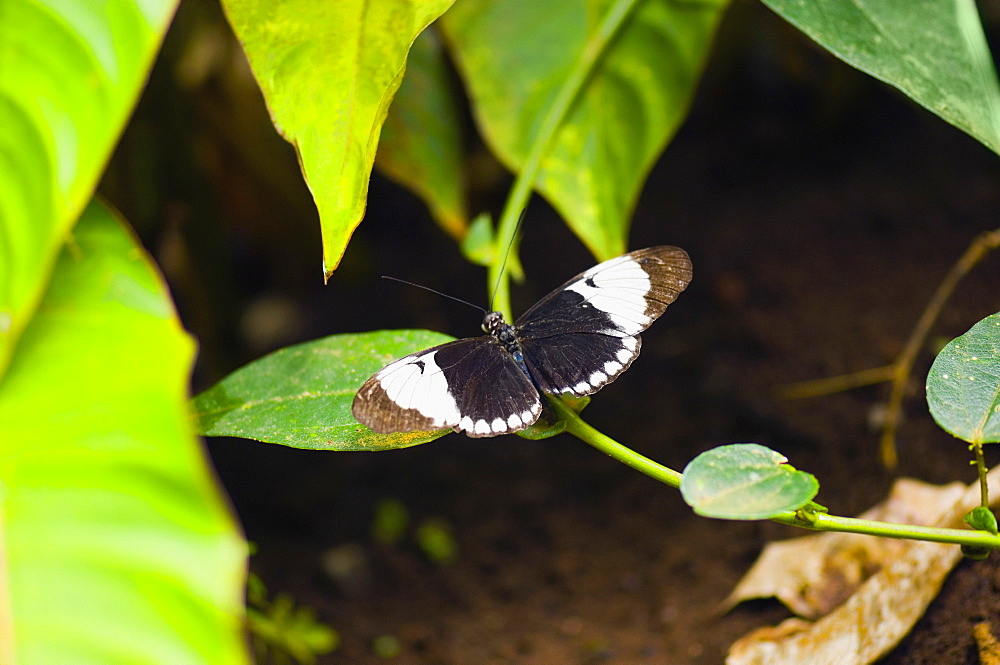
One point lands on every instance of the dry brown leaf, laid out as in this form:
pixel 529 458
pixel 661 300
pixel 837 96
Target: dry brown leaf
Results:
pixel 814 574
pixel 877 616
pixel 986 643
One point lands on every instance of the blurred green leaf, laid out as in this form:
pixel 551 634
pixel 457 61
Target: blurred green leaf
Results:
pixel 70 74
pixel 963 385
pixel 745 481
pixel 301 396
pixel 934 51
pixel 391 521
pixel 514 56
pixel 422 144
pixel 118 547
pixel 329 71
pixel 479 244
pixel 436 540
pixel 281 628
pixel 387 646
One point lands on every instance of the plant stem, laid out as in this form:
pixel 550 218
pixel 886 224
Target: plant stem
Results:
pixel 984 491
pixel 813 520
pixel 826 522
pixel 576 426
pixel 595 47
pixel 982 245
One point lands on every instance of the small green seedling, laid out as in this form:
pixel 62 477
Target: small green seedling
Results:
pixel 283 633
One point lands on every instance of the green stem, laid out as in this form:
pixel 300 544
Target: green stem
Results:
pixel 596 45
pixel 576 426
pixel 826 522
pixel 984 491
pixel 815 521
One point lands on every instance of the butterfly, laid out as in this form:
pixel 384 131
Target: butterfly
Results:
pixel 575 340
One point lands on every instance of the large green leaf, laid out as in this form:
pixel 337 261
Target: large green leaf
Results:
pixel 301 395
pixel 963 385
pixel 70 73
pixel 328 71
pixel 117 546
pixel 421 144
pixel 514 56
pixel 934 51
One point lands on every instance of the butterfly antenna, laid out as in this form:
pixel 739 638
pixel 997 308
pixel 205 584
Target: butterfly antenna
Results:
pixel 507 254
pixel 427 288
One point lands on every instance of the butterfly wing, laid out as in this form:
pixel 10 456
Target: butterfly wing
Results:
pixel 584 334
pixel 471 385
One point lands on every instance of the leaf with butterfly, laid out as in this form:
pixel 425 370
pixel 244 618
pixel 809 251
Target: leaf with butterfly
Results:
pixel 300 396
pixel 574 341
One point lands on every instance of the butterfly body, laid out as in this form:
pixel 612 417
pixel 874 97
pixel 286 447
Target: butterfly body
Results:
pixel 575 340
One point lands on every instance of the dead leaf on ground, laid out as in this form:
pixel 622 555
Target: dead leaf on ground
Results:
pixel 986 644
pixel 883 609
pixel 814 574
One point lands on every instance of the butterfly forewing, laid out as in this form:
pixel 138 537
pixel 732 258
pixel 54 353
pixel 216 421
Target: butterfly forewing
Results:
pixel 471 385
pixel 621 296
pixel 584 334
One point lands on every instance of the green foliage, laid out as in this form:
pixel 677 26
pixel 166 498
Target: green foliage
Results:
pixel 745 481
pixel 435 539
pixel 982 518
pixel 387 646
pixel 934 51
pixel 283 632
pixel 328 72
pixel 301 396
pixel 117 546
pixel 479 246
pixel 70 73
pixel 631 105
pixel 392 519
pixel 422 144
pixel 963 385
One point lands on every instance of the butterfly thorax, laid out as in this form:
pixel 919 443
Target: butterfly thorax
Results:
pixel 494 324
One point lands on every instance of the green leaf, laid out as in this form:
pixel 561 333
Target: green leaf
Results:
pixel 70 74
pixel 301 395
pixel 328 71
pixel 544 429
pixel 436 540
pixel 963 386
pixel 391 521
pixel 934 51
pixel 422 143
pixel 118 547
pixel 983 519
pixel 479 245
pixel 745 481
pixel 514 55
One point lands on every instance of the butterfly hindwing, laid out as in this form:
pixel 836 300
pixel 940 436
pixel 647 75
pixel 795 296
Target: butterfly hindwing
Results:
pixel 584 334
pixel 471 385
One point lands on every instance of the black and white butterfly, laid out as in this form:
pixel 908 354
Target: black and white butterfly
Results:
pixel 575 340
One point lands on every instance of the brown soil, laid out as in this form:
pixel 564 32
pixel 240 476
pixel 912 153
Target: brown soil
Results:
pixel 819 217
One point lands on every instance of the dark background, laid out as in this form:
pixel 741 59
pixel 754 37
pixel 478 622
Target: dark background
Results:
pixel 820 208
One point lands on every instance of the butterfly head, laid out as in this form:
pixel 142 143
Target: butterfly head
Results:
pixel 493 323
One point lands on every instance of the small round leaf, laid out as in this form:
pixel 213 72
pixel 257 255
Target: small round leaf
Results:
pixel 745 481
pixel 963 386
